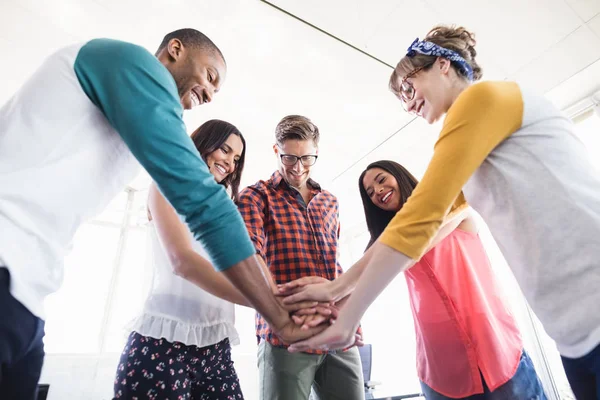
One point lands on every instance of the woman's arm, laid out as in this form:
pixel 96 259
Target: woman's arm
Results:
pixel 308 288
pixel 315 288
pixel 385 264
pixel 191 266
pixel 186 262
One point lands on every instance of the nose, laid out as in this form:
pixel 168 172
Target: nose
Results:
pixel 209 92
pixel 298 166
pixel 411 106
pixel 229 161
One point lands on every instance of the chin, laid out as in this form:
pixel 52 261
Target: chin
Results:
pixel 386 207
pixel 186 102
pixel 296 182
pixel 432 117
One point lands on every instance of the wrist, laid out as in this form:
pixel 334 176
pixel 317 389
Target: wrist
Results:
pixel 336 290
pixel 280 319
pixel 345 322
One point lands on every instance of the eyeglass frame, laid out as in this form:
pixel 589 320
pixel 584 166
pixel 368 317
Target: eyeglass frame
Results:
pixel 405 100
pixel 298 158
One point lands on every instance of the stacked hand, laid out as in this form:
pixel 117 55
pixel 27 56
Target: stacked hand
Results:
pixel 306 312
pixel 310 302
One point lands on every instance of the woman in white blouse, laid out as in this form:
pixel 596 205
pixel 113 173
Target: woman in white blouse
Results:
pixel 180 346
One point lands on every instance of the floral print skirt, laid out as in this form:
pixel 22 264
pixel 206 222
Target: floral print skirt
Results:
pixel 157 369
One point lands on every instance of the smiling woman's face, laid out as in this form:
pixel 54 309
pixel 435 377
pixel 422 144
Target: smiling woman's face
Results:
pixel 382 189
pixel 223 161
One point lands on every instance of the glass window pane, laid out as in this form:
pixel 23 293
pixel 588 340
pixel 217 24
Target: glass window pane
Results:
pixel 133 281
pixel 139 209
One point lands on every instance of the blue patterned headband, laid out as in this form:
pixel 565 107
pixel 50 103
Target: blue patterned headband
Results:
pixel 432 49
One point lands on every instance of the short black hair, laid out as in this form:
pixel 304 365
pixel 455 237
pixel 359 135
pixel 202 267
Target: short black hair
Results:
pixel 190 38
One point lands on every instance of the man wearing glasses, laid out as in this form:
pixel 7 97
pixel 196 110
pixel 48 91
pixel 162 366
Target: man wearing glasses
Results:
pixel 294 226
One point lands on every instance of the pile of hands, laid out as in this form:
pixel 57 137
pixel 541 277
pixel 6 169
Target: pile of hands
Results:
pixel 309 300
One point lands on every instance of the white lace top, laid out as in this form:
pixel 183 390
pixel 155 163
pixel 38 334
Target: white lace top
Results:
pixel 178 310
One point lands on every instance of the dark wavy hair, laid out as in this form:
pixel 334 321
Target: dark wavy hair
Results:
pixel 377 218
pixel 210 136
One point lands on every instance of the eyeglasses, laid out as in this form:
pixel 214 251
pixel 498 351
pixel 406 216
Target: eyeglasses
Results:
pixel 407 90
pixel 291 160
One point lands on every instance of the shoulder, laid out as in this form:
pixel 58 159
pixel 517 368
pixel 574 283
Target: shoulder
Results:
pixel 329 196
pixel 489 94
pixel 118 50
pixel 121 56
pixel 255 191
pixel 493 104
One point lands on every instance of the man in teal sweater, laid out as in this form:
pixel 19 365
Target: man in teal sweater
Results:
pixel 71 139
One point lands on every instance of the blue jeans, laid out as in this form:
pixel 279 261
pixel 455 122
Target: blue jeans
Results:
pixel 584 375
pixel 524 385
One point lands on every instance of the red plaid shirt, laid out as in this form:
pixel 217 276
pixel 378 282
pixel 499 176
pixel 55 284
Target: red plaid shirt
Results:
pixel 294 239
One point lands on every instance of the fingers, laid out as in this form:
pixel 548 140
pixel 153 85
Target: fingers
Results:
pixel 314 321
pixel 358 340
pixel 306 345
pixel 296 298
pixel 316 342
pixel 291 307
pixel 335 312
pixel 323 310
pixel 299 319
pixel 284 287
pixel 299 283
pixel 306 311
pixel 283 293
pixel 334 337
pixel 300 334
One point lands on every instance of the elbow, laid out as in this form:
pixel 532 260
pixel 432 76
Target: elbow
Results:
pixel 179 264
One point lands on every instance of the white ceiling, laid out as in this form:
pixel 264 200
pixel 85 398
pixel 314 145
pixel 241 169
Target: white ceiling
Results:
pixel 541 43
pixel 279 65
pixel 552 46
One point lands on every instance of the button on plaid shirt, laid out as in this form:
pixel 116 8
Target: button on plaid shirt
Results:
pixel 293 238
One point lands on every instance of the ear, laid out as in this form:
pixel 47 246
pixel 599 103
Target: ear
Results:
pixel 275 149
pixel 444 65
pixel 175 49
